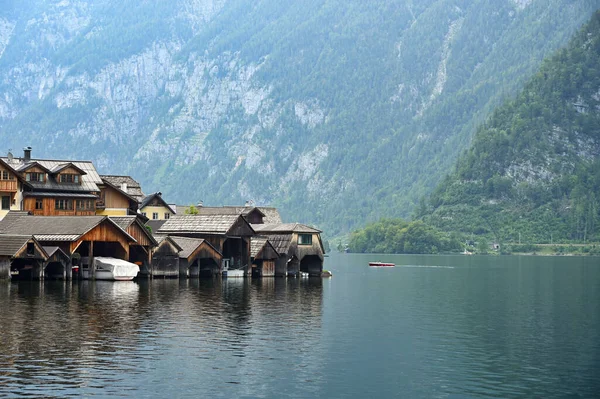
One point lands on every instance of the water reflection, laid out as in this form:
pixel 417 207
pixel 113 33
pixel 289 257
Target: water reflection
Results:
pixel 102 338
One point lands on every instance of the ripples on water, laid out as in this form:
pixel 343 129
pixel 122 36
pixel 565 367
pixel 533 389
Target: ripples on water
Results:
pixel 437 327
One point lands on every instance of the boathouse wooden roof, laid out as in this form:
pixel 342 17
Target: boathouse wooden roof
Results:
pixel 134 226
pixel 231 225
pixel 284 228
pixel 269 215
pixel 155 225
pixel 281 242
pixel 191 247
pixel 132 188
pixel 262 248
pixel 14 245
pixel 54 228
pixel 56 254
pixel 167 239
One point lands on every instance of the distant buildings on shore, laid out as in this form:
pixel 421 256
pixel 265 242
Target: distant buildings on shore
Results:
pixel 56 216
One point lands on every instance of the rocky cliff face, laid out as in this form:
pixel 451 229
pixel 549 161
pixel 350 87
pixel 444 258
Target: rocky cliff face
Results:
pixel 225 101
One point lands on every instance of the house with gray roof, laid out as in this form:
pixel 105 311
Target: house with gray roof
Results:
pixel 126 184
pixel 53 187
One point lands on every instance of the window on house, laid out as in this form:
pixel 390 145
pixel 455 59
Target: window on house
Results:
pixel 144 214
pixel 155 215
pixel 83 205
pixel 6 202
pixel 30 248
pixel 304 239
pixel 34 176
pixel 5 175
pixel 167 215
pixel 63 204
pixel 69 178
pixel 39 203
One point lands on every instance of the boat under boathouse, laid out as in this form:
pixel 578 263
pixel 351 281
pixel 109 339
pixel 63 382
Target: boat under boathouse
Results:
pixel 81 238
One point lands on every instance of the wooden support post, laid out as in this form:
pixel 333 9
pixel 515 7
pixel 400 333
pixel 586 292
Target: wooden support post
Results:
pixel 92 265
pixel 150 268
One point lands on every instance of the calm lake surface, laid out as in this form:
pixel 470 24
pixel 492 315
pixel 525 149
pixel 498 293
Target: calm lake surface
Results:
pixel 433 327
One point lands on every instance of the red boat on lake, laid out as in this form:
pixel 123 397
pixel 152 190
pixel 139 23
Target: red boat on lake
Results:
pixel 381 264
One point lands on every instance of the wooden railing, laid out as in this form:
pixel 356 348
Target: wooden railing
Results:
pixel 8 185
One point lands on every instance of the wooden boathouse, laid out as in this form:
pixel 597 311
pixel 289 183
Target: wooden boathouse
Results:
pixel 299 246
pixel 198 258
pixel 165 258
pixel 229 235
pixel 22 256
pixel 140 251
pixel 264 255
pixel 80 237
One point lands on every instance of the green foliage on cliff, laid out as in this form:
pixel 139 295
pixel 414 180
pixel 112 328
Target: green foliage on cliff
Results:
pixel 532 174
pixel 401 237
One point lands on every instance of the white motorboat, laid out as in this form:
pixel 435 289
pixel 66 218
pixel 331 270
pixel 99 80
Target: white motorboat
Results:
pixel 115 269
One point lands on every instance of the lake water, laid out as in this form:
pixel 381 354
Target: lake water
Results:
pixel 433 327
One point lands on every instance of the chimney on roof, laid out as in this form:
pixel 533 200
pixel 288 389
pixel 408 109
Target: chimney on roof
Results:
pixel 124 186
pixel 27 154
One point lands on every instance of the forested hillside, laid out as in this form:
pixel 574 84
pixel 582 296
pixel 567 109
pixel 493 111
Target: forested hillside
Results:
pixel 532 174
pixel 339 112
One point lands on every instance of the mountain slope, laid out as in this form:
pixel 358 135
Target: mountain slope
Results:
pixel 338 112
pixel 533 171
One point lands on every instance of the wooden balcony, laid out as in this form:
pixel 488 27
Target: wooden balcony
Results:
pixel 8 186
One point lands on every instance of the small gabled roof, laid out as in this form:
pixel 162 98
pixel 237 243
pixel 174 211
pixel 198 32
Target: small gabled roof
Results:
pixel 205 224
pixel 11 170
pixel 53 228
pixel 62 166
pixel 12 244
pixel 158 196
pixel 170 239
pixel 133 187
pixel 51 251
pixel 124 222
pixel 26 166
pixel 282 228
pixel 118 189
pixel 189 245
pixel 281 242
pixel 228 210
pixel 261 244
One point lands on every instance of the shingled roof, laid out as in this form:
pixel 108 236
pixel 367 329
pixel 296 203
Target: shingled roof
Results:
pixel 157 195
pixel 270 214
pixel 189 245
pixel 281 228
pixel 258 243
pixel 126 184
pixel 124 222
pixel 201 224
pixel 11 244
pixel 89 178
pixel 52 228
pixel 281 242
